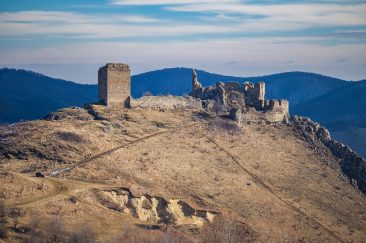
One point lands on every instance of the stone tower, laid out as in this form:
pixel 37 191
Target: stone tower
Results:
pixel 114 84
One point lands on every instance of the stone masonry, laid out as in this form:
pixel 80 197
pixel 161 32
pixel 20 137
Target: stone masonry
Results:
pixel 244 102
pixel 247 100
pixel 114 84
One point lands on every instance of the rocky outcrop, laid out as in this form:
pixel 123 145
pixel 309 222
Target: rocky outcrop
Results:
pixel 195 83
pixel 154 209
pixel 69 113
pixel 351 164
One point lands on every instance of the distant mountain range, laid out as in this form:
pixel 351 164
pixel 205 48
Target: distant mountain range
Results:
pixel 26 95
pixel 297 87
pixel 345 104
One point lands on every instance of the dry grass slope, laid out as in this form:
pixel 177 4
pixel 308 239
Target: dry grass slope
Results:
pixel 174 177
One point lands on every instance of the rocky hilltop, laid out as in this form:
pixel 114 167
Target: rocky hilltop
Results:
pixel 221 165
pixel 148 169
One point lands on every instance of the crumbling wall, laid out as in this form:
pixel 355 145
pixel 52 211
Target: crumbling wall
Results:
pixel 251 115
pixel 247 99
pixel 166 103
pixel 276 110
pixel 254 94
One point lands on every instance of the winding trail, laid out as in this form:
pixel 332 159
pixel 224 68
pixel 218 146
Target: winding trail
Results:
pixel 110 151
pixel 65 186
pixel 58 188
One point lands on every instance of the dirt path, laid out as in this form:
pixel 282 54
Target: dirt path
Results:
pixel 65 186
pixel 270 190
pixel 107 152
pixel 60 187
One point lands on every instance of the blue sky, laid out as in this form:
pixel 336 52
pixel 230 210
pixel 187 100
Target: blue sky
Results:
pixel 71 39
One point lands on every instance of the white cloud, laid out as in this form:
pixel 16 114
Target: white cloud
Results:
pixel 56 17
pixel 168 2
pixel 252 56
pixel 24 24
pixel 281 17
pixel 99 26
pixel 221 19
pixel 320 14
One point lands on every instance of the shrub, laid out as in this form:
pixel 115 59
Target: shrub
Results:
pixel 35 231
pixel 171 235
pixel 224 230
pixel 2 210
pixel 136 235
pixel 3 227
pixel 139 235
pixel 84 235
pixel 54 230
pixel 3 231
pixel 221 125
pixel 69 137
pixel 15 213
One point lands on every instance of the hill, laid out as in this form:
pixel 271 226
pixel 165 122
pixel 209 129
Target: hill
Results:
pixel 174 81
pixel 297 87
pixel 182 176
pixel 26 95
pixel 343 112
pixel 343 105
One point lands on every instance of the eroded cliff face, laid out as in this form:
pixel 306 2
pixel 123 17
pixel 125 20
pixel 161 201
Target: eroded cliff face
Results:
pixel 149 168
pixel 154 209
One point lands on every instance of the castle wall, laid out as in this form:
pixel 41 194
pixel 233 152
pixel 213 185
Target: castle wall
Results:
pixel 259 89
pixel 276 110
pixel 166 103
pixel 254 94
pixel 252 115
pixel 249 99
pixel 114 84
pixel 276 105
pixel 102 86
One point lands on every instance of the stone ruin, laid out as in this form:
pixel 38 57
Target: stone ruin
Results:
pixel 244 102
pixel 114 84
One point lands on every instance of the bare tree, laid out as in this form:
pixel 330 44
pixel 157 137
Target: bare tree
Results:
pixel 84 235
pixel 3 227
pixel 35 230
pixel 2 210
pixel 171 235
pixel 135 235
pixel 54 230
pixel 227 230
